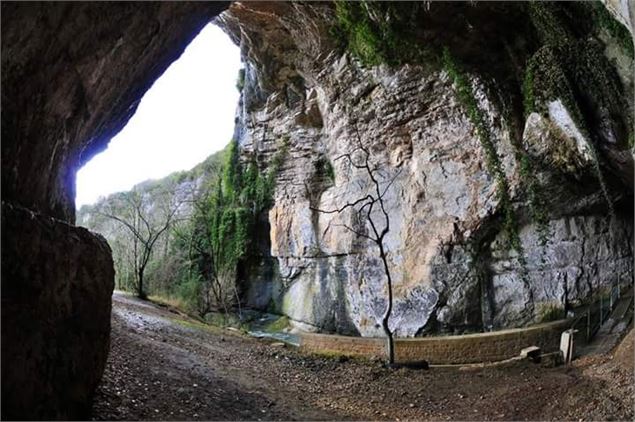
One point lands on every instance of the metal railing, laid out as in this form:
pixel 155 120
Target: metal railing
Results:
pixel 590 320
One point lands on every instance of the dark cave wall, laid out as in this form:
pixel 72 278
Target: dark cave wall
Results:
pixel 72 76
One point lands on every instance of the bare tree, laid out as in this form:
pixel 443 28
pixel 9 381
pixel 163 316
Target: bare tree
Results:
pixel 359 158
pixel 146 218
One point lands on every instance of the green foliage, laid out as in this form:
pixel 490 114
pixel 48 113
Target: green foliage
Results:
pixel 577 72
pixel 475 114
pixel 232 172
pixel 240 80
pixel 529 100
pixel 224 224
pixel 548 313
pixel 536 199
pixel 603 19
pixel 278 158
pixel 190 292
pixel 324 167
pixel 570 73
pixel 545 17
pixel 277 325
pixel 378 32
pixel 195 262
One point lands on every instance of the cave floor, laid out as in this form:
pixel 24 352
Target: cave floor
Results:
pixel 164 366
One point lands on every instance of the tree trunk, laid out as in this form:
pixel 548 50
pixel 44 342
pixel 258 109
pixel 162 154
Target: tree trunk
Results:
pixel 388 312
pixel 140 293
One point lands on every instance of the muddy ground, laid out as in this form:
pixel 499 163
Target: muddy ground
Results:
pixel 164 366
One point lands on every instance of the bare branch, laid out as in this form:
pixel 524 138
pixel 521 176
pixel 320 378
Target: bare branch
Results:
pixel 340 210
pixel 367 206
pixel 360 234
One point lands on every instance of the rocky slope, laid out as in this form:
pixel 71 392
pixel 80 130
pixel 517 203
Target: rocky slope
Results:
pixel 453 265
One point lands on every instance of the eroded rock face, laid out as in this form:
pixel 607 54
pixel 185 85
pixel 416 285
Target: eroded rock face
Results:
pixel 56 286
pixel 452 268
pixel 72 76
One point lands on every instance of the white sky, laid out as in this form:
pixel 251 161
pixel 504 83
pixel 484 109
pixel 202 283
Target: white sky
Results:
pixel 184 117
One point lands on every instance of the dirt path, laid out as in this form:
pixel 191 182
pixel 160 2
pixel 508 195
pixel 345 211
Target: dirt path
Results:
pixel 165 367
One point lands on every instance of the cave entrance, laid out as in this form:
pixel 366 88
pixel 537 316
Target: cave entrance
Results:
pixel 142 192
pixel 185 116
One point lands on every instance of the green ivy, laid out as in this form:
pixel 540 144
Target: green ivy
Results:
pixel 527 170
pixel 536 199
pixel 226 225
pixel 553 72
pixel 603 19
pixel 378 32
pixel 545 17
pixel 529 100
pixel 240 80
pixel 324 167
pixel 475 114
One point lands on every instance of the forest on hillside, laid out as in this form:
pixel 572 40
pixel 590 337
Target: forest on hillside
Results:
pixel 182 238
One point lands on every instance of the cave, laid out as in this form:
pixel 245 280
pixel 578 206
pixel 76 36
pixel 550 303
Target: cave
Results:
pixel 72 76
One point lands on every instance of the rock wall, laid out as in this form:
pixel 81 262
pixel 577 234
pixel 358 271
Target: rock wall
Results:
pixel 72 75
pixel 622 10
pixel 56 286
pixel 452 267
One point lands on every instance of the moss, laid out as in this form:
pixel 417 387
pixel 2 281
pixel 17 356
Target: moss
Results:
pixel 197 325
pixel 280 324
pixel 492 161
pixel 536 200
pixel 548 313
pixel 323 167
pixel 377 32
pixel 604 20
pixel 575 73
pixel 240 80
pixel 272 307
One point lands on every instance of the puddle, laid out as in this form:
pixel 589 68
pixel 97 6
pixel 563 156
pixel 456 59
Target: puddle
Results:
pixel 263 326
pixel 292 339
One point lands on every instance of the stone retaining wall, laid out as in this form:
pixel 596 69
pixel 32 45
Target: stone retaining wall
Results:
pixel 469 348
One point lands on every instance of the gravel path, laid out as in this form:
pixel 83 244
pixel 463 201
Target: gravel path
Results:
pixel 163 366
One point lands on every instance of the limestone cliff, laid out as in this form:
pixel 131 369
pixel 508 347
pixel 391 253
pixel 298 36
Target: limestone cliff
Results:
pixel 567 183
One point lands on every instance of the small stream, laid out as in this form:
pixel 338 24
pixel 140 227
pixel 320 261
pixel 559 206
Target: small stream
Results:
pixel 259 327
